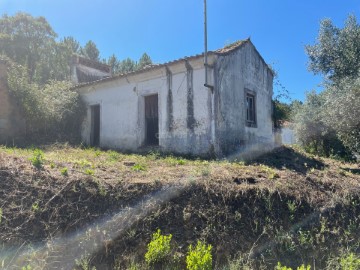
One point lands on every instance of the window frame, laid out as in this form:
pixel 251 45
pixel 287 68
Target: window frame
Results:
pixel 250 113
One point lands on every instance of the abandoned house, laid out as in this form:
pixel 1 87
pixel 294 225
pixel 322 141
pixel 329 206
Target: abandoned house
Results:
pixel 169 107
pixel 12 122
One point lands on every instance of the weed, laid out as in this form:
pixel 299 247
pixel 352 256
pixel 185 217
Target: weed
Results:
pixel 89 172
pixel 52 165
pixel 101 188
pixel 84 263
pixel 26 267
pixel 205 171
pixel 64 171
pixel 292 209
pixel 199 257
pixel 83 163
pixel 154 155
pixel 281 267
pixel 35 206
pixel 173 161
pixel 138 167
pixel 37 158
pixel 270 172
pixel 301 267
pixel 159 248
pixel 113 156
pixel 350 262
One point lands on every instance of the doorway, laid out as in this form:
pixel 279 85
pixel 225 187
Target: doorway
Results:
pixel 151 120
pixel 95 125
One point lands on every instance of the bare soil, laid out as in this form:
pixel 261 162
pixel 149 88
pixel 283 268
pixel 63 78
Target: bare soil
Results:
pixel 284 206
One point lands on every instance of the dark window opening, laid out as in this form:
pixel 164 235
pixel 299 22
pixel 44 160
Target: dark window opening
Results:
pixel 95 125
pixel 250 110
pixel 151 120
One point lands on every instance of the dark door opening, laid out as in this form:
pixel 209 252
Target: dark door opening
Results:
pixel 95 125
pixel 151 120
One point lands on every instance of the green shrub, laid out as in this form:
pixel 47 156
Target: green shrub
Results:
pixel 281 267
pixel 89 172
pixel 37 158
pixel 302 267
pixel 350 262
pixel 64 171
pixel 138 168
pixel 159 248
pixel 199 257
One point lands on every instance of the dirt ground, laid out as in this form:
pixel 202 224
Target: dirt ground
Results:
pixel 101 207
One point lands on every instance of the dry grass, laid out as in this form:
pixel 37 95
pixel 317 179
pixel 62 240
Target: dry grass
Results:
pixel 42 204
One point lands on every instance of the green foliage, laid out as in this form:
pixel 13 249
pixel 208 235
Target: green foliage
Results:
pixel 89 172
pixel 37 158
pixel 138 167
pixel 336 55
pixel 144 61
pixel 35 207
pixel 26 267
pixel 312 129
pixel 84 263
pixel 159 248
pixel 64 171
pixel 302 267
pixel 127 65
pixel 31 42
pixel 51 109
pixel 281 113
pixel 350 262
pixel 334 116
pixel 72 44
pixel 90 51
pixel 281 267
pixel 199 257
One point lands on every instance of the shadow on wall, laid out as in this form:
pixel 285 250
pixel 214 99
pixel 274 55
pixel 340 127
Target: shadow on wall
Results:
pixel 285 157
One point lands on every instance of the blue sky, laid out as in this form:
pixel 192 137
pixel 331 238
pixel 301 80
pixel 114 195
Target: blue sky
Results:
pixel 170 29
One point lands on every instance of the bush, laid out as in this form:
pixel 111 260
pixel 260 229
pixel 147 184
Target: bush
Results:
pixel 350 262
pixel 159 249
pixel 37 158
pixel 52 109
pixel 199 258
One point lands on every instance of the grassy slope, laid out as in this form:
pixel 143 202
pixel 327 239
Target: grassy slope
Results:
pixel 285 206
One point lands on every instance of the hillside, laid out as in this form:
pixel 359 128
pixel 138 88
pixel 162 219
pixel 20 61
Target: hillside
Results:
pixel 68 206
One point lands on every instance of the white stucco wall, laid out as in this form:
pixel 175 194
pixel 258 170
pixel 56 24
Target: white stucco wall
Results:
pixel 236 73
pixel 192 118
pixel 122 110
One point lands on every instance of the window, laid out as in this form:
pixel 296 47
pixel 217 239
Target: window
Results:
pixel 250 110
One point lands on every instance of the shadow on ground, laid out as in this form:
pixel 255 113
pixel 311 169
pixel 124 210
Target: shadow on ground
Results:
pixel 285 157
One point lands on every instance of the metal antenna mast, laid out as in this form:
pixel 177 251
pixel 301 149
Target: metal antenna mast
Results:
pixel 205 48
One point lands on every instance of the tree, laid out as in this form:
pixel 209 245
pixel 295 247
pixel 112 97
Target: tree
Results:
pixel 144 61
pixel 90 51
pixel 342 111
pixel 335 116
pixel 127 65
pixel 28 41
pixel 337 52
pixel 114 64
pixel 71 43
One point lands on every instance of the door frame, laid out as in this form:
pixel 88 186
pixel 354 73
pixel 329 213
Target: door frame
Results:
pixel 94 142
pixel 146 139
